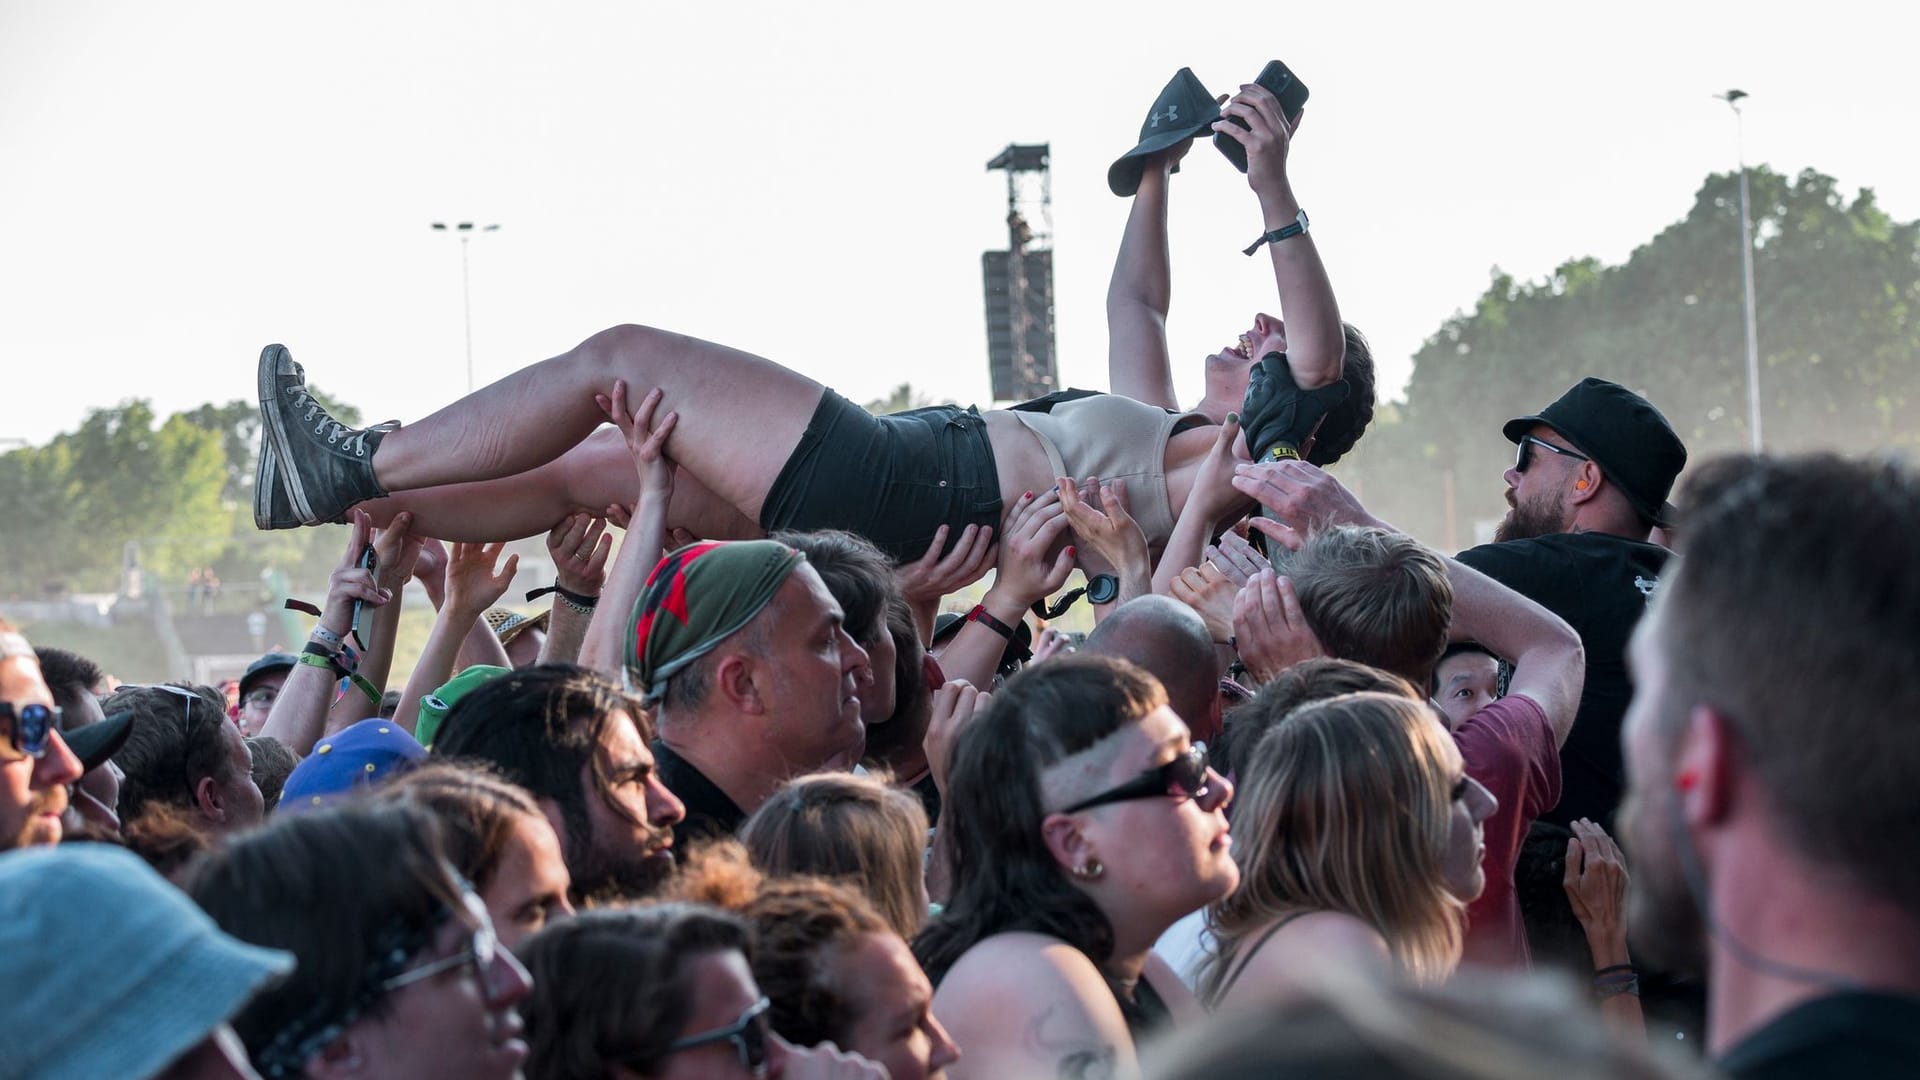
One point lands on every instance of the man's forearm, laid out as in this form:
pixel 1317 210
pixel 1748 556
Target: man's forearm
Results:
pixel 1138 296
pixel 1316 342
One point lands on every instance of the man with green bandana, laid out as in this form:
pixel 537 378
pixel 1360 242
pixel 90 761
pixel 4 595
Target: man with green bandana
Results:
pixel 741 649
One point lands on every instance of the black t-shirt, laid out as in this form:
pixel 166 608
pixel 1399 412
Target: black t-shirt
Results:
pixel 1859 1036
pixel 710 812
pixel 1600 584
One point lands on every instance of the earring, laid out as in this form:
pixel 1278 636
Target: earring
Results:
pixel 1091 870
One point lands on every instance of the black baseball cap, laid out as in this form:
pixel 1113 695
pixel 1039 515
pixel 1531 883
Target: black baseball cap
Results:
pixel 1183 110
pixel 1623 433
pixel 266 665
pixel 94 743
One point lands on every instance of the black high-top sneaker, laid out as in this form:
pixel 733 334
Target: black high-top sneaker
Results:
pixel 312 467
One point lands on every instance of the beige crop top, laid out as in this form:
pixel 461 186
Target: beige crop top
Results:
pixel 1115 438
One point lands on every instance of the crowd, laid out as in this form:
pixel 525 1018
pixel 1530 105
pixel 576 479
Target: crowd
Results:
pixel 1312 799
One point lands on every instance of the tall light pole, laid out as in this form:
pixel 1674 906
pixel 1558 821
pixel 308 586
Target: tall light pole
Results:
pixel 465 231
pixel 1733 99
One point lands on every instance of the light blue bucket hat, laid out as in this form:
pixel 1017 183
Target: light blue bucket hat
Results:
pixel 111 971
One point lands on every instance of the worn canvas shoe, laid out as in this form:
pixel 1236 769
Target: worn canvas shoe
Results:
pixel 319 466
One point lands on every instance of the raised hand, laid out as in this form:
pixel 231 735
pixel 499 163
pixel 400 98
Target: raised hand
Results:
pixel 1596 882
pixel 1269 630
pixel 579 546
pixel 646 440
pixel 954 707
pixel 351 582
pixel 1236 558
pixel 1109 530
pixel 1208 591
pixel 1267 136
pixel 1052 643
pixel 1303 496
pixel 934 575
pixel 473 583
pixel 1025 571
pixel 396 551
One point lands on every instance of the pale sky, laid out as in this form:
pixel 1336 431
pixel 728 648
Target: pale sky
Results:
pixel 183 182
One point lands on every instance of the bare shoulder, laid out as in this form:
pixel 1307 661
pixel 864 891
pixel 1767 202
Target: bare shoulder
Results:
pixel 1027 1003
pixel 1310 943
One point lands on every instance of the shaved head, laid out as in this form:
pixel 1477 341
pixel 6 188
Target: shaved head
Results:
pixel 1169 640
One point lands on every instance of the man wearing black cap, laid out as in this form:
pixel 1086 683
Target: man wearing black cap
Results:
pixel 1588 485
pixel 259 688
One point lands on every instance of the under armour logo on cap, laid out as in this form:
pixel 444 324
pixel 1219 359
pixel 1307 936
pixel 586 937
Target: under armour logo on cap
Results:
pixel 1173 113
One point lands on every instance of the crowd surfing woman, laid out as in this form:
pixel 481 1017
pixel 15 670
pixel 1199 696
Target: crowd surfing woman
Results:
pixel 763 447
pixel 1082 823
pixel 1359 845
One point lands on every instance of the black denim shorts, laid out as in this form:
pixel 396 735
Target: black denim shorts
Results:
pixel 892 479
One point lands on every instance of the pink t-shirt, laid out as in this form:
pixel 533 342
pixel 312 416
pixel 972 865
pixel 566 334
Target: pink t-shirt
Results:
pixel 1509 749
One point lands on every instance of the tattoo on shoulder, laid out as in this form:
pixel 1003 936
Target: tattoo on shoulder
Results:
pixel 1078 1058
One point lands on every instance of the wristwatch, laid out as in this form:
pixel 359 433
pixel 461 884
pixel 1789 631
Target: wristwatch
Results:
pixel 1284 232
pixel 1102 589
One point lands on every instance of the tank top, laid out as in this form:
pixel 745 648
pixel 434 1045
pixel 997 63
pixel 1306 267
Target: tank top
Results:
pixel 1115 438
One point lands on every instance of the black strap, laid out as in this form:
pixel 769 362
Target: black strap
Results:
pixel 1058 607
pixel 302 606
pixel 1246 958
pixel 583 601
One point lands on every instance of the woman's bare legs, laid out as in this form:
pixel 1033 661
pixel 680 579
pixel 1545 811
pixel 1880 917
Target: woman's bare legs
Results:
pixel 740 417
pixel 594 475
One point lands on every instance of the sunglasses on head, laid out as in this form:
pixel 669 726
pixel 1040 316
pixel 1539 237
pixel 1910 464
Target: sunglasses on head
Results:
pixel 29 726
pixel 1524 456
pixel 747 1034
pixel 1184 777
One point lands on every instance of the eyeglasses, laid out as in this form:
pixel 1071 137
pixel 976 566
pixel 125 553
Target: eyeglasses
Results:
pixel 747 1034
pixel 480 952
pixel 262 698
pixel 1524 456
pixel 1185 776
pixel 29 726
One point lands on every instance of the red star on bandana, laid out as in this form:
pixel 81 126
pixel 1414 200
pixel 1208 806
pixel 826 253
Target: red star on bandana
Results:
pixel 667 591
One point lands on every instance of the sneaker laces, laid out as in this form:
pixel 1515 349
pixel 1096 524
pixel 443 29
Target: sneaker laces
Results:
pixel 337 434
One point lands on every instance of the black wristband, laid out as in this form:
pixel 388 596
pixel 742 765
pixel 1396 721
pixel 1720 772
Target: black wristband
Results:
pixel 577 600
pixel 980 615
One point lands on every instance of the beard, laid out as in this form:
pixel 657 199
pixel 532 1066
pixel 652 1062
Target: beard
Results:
pixel 602 876
pixel 1664 922
pixel 1542 515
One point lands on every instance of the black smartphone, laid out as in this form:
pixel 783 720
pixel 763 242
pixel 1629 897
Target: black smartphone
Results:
pixel 1283 84
pixel 368 561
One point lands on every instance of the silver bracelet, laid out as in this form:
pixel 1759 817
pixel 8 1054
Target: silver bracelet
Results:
pixel 575 605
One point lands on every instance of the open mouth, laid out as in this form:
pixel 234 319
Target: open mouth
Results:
pixel 1243 348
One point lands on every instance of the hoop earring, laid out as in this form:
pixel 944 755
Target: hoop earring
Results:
pixel 1091 870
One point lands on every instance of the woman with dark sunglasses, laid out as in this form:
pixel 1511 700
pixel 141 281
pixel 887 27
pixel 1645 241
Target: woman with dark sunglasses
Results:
pixel 1083 823
pixel 662 992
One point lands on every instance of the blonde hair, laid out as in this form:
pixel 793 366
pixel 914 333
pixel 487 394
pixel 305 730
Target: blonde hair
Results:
pixel 1346 805
pixel 853 829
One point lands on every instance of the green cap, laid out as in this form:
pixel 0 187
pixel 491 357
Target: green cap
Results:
pixel 435 706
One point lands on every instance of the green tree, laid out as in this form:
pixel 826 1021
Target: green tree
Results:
pixel 1836 280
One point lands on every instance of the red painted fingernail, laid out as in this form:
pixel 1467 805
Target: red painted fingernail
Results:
pixel 1069 551
pixel 1028 495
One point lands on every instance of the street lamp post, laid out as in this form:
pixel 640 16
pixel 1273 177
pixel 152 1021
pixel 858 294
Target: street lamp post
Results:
pixel 465 230
pixel 1733 99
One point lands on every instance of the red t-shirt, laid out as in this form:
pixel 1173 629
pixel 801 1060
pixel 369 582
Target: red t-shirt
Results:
pixel 1509 749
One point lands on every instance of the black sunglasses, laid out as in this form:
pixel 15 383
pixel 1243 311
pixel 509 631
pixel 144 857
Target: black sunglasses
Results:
pixel 1524 456
pixel 29 726
pixel 747 1034
pixel 1185 776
